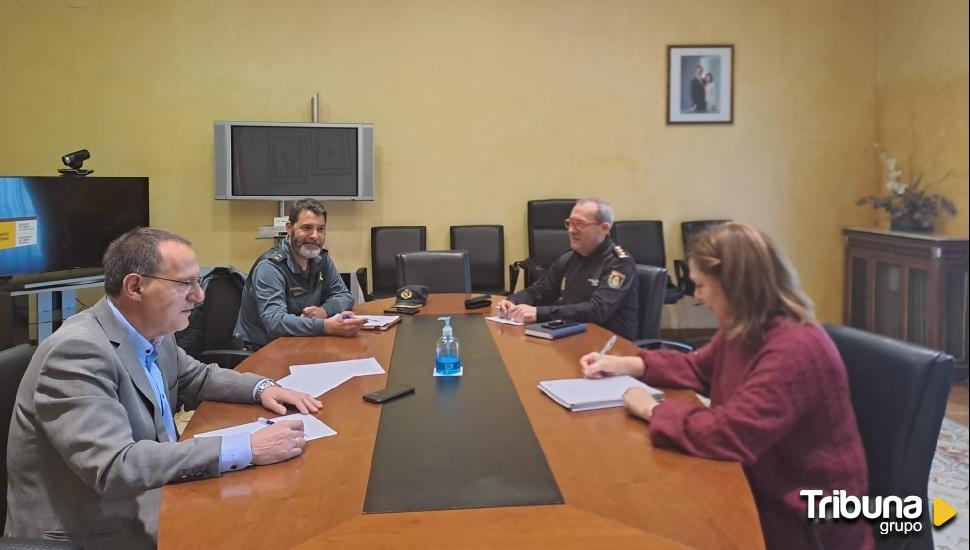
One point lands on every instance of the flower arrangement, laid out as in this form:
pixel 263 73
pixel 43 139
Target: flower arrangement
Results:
pixel 909 206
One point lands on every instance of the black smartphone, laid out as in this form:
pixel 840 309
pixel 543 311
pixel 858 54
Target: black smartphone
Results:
pixel 407 310
pixel 558 323
pixel 475 302
pixel 388 393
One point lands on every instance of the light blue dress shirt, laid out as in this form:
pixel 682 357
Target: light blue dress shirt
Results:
pixel 236 450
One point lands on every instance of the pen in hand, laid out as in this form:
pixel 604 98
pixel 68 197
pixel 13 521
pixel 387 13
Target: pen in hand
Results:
pixel 609 346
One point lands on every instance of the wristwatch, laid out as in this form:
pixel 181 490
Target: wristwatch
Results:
pixel 261 387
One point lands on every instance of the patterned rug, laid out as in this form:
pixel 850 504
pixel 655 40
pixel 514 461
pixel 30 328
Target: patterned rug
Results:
pixel 948 480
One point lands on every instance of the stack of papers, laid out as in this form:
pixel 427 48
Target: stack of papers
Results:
pixel 312 428
pixel 318 378
pixel 587 394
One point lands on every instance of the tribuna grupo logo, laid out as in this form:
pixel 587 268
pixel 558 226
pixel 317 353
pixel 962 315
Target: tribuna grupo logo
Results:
pixel 895 514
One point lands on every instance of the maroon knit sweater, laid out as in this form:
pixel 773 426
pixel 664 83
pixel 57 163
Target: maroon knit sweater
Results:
pixel 782 410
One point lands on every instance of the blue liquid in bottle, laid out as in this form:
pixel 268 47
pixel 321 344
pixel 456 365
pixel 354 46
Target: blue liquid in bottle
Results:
pixel 447 364
pixel 447 354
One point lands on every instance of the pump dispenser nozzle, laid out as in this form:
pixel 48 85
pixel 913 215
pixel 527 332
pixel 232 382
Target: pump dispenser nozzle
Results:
pixel 447 351
pixel 446 331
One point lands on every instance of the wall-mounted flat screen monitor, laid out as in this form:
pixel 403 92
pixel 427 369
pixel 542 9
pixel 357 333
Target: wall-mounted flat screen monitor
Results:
pixel 63 223
pixel 288 161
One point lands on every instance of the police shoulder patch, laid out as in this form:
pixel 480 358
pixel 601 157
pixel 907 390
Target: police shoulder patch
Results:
pixel 620 253
pixel 615 280
pixel 277 258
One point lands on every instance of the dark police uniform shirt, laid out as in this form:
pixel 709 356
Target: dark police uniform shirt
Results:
pixel 600 288
pixel 277 290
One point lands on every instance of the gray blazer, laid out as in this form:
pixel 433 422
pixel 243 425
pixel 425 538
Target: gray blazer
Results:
pixel 88 451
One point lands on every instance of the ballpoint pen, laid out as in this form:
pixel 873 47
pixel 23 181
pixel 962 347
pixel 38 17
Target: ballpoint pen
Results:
pixel 609 346
pixel 266 421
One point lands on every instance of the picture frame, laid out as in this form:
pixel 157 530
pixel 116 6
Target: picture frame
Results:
pixel 700 84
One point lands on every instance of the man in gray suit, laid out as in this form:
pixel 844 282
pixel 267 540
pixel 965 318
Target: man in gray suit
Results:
pixel 92 438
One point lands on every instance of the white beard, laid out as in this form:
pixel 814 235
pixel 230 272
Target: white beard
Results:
pixel 309 251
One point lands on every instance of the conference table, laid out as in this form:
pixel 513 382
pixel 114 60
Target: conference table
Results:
pixel 618 490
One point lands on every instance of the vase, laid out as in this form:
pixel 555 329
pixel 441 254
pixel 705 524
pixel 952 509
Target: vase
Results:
pixel 909 226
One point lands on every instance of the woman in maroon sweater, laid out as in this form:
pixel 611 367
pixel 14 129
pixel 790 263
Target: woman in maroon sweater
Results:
pixel 779 392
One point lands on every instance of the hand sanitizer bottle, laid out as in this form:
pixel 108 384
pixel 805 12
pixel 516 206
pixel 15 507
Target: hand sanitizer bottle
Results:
pixel 447 354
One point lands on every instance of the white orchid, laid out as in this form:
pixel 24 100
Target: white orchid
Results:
pixel 908 204
pixel 893 173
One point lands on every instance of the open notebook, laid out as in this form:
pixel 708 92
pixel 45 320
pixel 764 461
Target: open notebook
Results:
pixel 586 394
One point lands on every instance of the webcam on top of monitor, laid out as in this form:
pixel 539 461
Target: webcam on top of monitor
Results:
pixel 74 161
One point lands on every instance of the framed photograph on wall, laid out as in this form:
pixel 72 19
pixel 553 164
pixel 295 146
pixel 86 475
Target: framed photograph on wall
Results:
pixel 700 84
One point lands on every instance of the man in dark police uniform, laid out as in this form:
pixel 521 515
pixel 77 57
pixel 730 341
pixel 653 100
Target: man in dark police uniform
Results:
pixel 595 282
pixel 295 289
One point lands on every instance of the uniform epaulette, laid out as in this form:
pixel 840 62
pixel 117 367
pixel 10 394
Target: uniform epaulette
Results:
pixel 620 253
pixel 277 258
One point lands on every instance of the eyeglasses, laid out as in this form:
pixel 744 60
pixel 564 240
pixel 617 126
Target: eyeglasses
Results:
pixel 183 285
pixel 569 223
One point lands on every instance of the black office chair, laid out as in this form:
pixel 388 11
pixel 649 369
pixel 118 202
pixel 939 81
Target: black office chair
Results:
pixel 644 240
pixel 548 238
pixel 361 275
pixel 486 254
pixel 209 336
pixel 20 543
pixel 652 282
pixel 386 243
pixel 439 270
pixel 688 231
pixel 899 393
pixel 13 364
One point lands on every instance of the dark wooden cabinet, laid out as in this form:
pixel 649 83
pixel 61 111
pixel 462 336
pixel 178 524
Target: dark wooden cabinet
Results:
pixel 908 286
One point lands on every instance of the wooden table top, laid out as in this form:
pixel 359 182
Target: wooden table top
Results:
pixel 620 491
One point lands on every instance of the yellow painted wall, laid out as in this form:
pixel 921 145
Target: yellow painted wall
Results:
pixel 922 96
pixel 478 107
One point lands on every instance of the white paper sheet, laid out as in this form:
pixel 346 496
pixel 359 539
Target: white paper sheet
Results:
pixel 313 428
pixel 503 321
pixel 319 378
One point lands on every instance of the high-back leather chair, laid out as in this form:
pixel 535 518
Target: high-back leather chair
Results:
pixel 209 336
pixel 486 254
pixel 653 283
pixel 548 238
pixel 13 364
pixel 385 244
pixel 644 240
pixel 899 393
pixel 688 231
pixel 439 270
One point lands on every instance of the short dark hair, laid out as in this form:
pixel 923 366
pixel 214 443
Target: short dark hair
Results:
pixel 134 252
pixel 312 205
